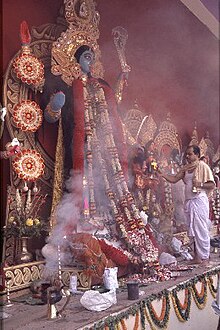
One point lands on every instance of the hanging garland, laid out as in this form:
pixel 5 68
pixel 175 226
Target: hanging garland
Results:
pixel 136 323
pixel 162 320
pixel 200 298
pixel 212 289
pixel 114 322
pixel 123 324
pixel 142 314
pixel 182 310
pixel 149 319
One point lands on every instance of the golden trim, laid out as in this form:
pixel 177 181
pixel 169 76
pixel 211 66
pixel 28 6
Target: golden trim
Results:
pixel 58 174
pixel 21 276
pixel 83 281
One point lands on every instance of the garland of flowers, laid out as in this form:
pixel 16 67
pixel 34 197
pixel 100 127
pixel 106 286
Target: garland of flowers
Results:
pixel 112 322
pixel 149 319
pixel 142 314
pixel 162 320
pixel 200 298
pixel 182 311
pixel 121 201
pixel 126 200
pixel 136 323
pixel 123 324
pixel 212 289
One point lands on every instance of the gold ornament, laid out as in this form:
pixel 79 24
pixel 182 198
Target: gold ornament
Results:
pixel 29 165
pixel 83 22
pixel 27 116
pixel 29 68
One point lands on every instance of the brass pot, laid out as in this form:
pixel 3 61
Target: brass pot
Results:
pixel 24 256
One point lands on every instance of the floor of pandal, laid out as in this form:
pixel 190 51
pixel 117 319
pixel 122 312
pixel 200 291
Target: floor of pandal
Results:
pixel 21 315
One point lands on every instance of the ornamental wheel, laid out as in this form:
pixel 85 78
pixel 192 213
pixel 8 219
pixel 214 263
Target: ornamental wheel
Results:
pixel 28 165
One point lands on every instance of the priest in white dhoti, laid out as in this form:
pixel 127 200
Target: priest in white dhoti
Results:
pixel 199 183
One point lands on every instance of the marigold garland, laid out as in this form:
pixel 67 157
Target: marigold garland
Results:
pixel 182 310
pixel 123 324
pixel 200 298
pixel 149 319
pixel 114 322
pixel 136 323
pixel 142 314
pixel 212 289
pixel 162 320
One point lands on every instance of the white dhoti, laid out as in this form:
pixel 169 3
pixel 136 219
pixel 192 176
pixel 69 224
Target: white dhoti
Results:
pixel 197 217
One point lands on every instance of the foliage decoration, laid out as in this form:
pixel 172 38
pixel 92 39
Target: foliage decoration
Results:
pixel 212 289
pixel 145 309
pixel 200 298
pixel 162 320
pixel 182 311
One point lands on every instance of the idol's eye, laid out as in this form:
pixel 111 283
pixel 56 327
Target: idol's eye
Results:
pixel 88 57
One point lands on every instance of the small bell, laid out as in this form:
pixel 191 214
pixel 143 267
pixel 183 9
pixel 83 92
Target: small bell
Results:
pixel 35 189
pixel 25 188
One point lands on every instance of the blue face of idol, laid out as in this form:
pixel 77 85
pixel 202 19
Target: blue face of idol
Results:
pixel 86 60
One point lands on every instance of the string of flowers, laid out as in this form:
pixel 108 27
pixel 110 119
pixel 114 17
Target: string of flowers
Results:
pixel 142 315
pixel 182 310
pixel 123 324
pixel 149 319
pixel 120 199
pixel 147 314
pixel 212 289
pixel 118 326
pixel 136 322
pixel 200 298
pixel 162 320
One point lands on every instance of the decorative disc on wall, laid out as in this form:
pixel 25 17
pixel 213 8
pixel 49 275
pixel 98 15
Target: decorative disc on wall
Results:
pixel 29 69
pixel 29 165
pixel 27 116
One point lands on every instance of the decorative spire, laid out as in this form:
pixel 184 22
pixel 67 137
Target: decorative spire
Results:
pixel 194 137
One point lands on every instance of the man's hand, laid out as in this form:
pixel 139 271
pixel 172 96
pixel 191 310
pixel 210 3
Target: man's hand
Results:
pixel 196 183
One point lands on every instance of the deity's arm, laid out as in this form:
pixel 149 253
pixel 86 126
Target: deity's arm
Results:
pixel 52 112
pixel 55 97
